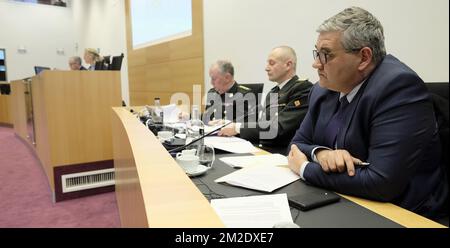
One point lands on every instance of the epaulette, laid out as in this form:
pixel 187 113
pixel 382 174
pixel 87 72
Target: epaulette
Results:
pixel 302 79
pixel 244 88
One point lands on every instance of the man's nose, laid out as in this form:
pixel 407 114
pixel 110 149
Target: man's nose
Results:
pixel 317 64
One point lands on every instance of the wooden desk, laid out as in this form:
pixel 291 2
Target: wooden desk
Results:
pixel 151 187
pixel 5 116
pixel 5 107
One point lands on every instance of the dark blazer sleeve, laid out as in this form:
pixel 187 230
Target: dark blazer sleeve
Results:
pixel 288 119
pixel 392 128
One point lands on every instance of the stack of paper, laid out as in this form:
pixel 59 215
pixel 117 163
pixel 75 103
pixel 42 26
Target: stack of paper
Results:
pixel 253 211
pixel 231 144
pixel 261 160
pixel 262 178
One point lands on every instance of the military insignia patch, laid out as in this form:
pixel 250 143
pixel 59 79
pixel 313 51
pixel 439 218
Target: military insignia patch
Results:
pixel 297 103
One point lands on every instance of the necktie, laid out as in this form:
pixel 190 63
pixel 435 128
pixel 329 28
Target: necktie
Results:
pixel 266 113
pixel 336 123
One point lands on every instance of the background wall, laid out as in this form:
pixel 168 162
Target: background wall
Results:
pixel 41 30
pixel 416 32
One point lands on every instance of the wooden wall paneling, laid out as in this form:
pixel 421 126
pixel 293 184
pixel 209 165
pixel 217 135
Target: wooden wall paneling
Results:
pixel 167 68
pixel 5 115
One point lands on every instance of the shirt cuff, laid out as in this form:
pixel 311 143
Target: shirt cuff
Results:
pixel 313 153
pixel 237 127
pixel 302 169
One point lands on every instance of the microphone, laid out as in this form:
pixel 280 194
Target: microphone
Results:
pixel 251 111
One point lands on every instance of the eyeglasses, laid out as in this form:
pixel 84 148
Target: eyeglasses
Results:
pixel 324 56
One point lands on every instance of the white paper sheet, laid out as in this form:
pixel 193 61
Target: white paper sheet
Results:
pixel 231 144
pixel 253 211
pixel 262 178
pixel 171 113
pixel 260 160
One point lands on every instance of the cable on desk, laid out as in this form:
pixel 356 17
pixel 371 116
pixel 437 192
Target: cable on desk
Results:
pixel 210 195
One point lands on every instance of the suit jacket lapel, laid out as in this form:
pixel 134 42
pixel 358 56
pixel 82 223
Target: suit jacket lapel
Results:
pixel 328 107
pixel 340 139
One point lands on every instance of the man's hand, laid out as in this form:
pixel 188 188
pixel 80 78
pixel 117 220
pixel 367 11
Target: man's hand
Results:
pixel 216 122
pixel 337 161
pixel 295 159
pixel 183 116
pixel 228 130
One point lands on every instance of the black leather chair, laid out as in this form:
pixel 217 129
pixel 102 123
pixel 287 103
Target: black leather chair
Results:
pixel 257 89
pixel 439 94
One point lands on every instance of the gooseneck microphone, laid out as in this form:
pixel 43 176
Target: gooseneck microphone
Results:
pixel 251 111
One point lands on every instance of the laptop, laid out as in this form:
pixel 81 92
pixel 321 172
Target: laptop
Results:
pixel 39 69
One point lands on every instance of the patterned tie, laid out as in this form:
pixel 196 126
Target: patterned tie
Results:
pixel 336 123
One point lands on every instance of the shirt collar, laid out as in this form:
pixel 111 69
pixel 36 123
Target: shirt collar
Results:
pixel 284 83
pixel 352 93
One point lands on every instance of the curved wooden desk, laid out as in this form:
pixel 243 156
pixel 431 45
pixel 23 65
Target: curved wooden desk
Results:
pixel 151 189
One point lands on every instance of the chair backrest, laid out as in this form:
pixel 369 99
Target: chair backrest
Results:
pixel 116 63
pixel 439 95
pixel 257 89
pixel 440 89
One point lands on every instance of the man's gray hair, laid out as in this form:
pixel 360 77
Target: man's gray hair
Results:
pixel 76 59
pixel 225 66
pixel 360 29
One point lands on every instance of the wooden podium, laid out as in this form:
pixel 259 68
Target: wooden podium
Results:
pixel 5 116
pixel 65 117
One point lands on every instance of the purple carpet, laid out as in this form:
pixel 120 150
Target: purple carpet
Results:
pixel 26 200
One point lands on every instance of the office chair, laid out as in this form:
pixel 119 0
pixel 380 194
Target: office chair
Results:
pixel 439 94
pixel 257 89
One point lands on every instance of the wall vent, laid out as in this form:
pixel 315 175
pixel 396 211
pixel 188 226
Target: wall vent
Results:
pixel 87 180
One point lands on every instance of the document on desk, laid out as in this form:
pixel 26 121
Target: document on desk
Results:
pixel 260 160
pixel 253 211
pixel 231 144
pixel 171 113
pixel 262 178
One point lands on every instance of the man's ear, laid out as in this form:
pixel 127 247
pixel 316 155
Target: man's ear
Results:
pixel 366 58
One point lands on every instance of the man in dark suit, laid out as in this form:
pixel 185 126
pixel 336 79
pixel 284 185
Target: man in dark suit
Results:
pixel 369 106
pixel 226 100
pixel 75 64
pixel 284 108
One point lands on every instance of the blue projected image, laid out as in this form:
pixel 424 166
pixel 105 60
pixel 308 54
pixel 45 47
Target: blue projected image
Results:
pixel 154 21
pixel 2 54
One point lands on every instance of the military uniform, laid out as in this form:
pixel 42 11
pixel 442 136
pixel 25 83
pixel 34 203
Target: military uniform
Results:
pixel 285 114
pixel 228 106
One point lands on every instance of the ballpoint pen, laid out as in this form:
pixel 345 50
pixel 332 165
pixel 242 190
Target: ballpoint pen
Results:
pixel 362 163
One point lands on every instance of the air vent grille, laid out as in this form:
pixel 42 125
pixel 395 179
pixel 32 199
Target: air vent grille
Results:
pixel 87 180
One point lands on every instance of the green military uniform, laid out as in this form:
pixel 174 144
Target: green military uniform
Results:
pixel 284 115
pixel 229 106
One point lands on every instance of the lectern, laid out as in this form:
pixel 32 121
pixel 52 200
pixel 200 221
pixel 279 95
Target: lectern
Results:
pixel 65 117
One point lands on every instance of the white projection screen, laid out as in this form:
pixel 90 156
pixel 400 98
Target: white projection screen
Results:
pixel 157 21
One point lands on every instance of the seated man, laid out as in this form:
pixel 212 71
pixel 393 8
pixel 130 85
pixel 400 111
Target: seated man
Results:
pixel 75 64
pixel 226 100
pixel 369 106
pixel 285 105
